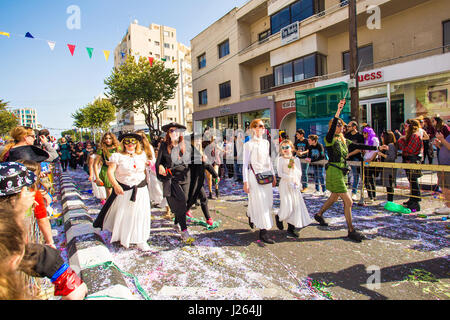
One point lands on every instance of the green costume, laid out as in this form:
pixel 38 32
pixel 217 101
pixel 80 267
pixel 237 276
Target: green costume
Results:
pixel 337 153
pixel 103 175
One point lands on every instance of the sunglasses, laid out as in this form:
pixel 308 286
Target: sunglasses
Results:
pixel 339 124
pixel 261 126
pixel 285 147
pixel 130 141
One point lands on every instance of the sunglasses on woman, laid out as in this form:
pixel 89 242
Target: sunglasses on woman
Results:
pixel 285 147
pixel 261 126
pixel 130 141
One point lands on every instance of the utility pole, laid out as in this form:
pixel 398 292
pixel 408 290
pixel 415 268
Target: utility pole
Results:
pixel 353 36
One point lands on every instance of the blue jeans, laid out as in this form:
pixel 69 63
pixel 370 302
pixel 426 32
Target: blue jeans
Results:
pixel 355 177
pixel 238 171
pixel 305 167
pixel 319 178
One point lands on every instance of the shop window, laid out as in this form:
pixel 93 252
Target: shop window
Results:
pixel 201 61
pixel 365 54
pixel 224 49
pixel 446 31
pixel 225 90
pixel 203 97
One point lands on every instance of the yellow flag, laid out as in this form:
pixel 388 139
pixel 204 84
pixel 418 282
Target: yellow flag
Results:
pixel 106 53
pixel 4 33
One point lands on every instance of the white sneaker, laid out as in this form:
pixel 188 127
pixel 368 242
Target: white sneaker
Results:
pixel 442 211
pixel 143 246
pixel 327 193
pixel 355 197
pixel 186 237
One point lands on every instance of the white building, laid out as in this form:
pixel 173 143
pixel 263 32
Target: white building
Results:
pixel 27 117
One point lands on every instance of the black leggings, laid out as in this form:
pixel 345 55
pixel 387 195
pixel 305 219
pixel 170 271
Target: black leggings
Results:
pixel 179 207
pixel 64 164
pixel 369 181
pixel 204 203
pixel 413 178
pixel 390 189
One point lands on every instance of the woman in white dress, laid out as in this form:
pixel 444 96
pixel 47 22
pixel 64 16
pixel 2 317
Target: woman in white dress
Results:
pixel 260 196
pixel 292 206
pixel 127 211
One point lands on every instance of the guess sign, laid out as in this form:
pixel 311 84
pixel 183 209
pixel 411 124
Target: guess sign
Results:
pixel 371 77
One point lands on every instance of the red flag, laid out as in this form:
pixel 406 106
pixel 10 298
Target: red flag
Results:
pixel 71 48
pixel 150 60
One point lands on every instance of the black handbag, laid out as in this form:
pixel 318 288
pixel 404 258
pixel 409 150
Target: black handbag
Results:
pixel 345 170
pixel 264 177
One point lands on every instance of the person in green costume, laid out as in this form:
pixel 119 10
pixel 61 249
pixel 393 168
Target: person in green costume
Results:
pixel 337 149
pixel 108 145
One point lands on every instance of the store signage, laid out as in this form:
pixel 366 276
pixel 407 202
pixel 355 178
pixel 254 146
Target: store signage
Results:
pixel 290 33
pixel 371 77
pixel 225 110
pixel 288 104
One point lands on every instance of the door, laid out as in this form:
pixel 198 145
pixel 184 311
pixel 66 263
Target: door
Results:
pixel 376 114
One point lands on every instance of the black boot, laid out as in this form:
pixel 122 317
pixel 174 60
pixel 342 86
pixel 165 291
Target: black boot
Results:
pixel 210 195
pixel 356 236
pixel 250 223
pixel 320 220
pixel 217 193
pixel 291 232
pixel 414 206
pixel 279 223
pixel 264 238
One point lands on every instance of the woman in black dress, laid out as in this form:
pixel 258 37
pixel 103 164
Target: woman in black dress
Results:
pixel 172 169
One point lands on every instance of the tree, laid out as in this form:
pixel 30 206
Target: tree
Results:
pixel 7 119
pixel 141 87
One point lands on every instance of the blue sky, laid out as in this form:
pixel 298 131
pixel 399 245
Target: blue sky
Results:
pixel 54 82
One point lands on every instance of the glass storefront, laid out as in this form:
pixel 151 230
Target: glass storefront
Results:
pixel 248 117
pixel 227 122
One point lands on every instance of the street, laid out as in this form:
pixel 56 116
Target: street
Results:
pixel 404 257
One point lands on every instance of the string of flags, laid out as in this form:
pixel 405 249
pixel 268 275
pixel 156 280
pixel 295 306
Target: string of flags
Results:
pixel 72 48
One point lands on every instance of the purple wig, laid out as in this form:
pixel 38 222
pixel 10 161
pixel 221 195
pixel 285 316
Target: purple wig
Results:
pixel 372 137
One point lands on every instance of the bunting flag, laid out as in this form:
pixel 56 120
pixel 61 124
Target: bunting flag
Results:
pixel 51 44
pixel 123 54
pixel 71 48
pixel 106 53
pixel 164 59
pixel 174 60
pixel 28 35
pixel 4 33
pixel 90 50
pixel 150 60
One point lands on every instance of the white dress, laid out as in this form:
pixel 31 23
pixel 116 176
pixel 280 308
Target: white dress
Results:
pixel 98 192
pixel 260 197
pixel 129 221
pixel 155 188
pixel 292 206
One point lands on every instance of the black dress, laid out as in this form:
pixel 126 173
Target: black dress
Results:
pixel 176 182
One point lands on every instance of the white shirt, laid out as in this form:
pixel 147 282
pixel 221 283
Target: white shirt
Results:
pixel 256 153
pixel 368 154
pixel 130 170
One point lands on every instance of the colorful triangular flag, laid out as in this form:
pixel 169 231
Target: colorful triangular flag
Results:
pixel 28 35
pixel 150 60
pixel 71 48
pixel 90 50
pixel 4 33
pixel 106 53
pixel 164 59
pixel 123 54
pixel 51 44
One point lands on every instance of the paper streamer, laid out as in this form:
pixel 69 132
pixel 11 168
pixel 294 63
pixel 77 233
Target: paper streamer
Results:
pixel 90 50
pixel 71 48
pixel 51 44
pixel 106 53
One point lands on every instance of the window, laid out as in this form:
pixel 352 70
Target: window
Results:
pixel 225 90
pixel 166 34
pixel 166 45
pixel 300 69
pixel 203 97
pixel 156 43
pixel 266 83
pixel 224 49
pixel 344 3
pixel 201 61
pixel 365 54
pixel 446 31
pixel 298 11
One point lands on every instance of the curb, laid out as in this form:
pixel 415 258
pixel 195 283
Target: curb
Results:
pixel 86 250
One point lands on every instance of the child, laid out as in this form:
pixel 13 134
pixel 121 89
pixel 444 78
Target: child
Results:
pixel 317 153
pixel 389 174
pixel 292 207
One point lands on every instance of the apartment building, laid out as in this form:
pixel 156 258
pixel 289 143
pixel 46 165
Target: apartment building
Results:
pixel 27 117
pixel 159 42
pixel 287 61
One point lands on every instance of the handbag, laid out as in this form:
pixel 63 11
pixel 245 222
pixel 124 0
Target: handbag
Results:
pixel 345 170
pixel 264 177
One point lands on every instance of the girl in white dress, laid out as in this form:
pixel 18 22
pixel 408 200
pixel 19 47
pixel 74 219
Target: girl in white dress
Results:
pixel 292 206
pixel 127 211
pixel 256 160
